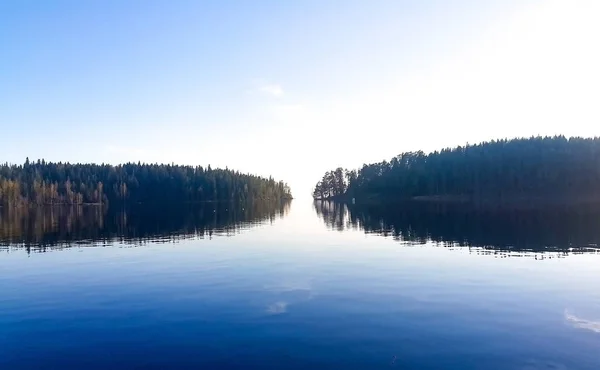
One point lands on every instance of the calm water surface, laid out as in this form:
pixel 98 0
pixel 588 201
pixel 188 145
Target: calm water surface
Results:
pixel 318 286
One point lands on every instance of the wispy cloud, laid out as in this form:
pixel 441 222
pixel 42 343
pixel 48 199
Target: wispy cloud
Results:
pixel 271 89
pixel 582 323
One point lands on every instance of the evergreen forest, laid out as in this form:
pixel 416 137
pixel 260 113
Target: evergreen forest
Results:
pixel 537 167
pixel 42 182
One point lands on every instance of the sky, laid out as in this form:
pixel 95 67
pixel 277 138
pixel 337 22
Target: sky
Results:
pixel 290 88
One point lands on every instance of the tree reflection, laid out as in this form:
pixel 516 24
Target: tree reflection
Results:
pixel 558 229
pixel 40 228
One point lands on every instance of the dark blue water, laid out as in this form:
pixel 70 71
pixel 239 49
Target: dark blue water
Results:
pixel 304 288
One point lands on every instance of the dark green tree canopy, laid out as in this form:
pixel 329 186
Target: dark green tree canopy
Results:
pixel 44 182
pixel 532 167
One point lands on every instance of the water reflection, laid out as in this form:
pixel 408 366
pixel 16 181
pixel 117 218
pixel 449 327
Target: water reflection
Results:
pixel 561 230
pixel 581 323
pixel 39 228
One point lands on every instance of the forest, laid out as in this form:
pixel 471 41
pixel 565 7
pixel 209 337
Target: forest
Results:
pixel 44 182
pixel 536 167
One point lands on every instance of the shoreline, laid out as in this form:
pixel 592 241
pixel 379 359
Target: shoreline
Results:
pixel 513 202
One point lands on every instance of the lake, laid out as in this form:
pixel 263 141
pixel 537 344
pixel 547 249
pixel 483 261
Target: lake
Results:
pixel 301 285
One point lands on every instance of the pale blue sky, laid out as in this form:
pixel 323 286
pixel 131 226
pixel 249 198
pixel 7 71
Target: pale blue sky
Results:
pixel 289 88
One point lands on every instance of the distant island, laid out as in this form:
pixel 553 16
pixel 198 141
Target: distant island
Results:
pixel 547 169
pixel 41 182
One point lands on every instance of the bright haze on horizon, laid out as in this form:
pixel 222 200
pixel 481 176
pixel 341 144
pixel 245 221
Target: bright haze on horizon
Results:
pixel 290 88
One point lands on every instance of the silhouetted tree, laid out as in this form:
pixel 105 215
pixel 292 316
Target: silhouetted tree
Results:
pixel 543 167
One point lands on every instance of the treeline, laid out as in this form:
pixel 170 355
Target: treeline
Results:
pixel 537 167
pixel 44 182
